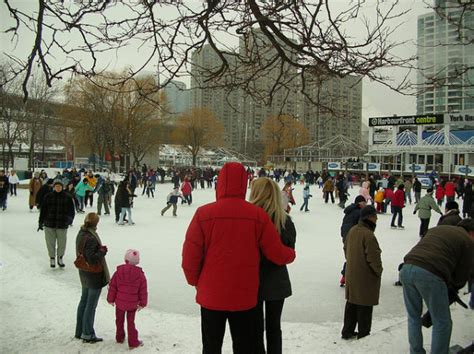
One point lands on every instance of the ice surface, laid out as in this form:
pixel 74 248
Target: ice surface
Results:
pixel 38 304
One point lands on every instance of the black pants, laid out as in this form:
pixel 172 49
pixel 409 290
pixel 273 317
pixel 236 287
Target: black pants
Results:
pixel 424 224
pixel 326 196
pixel 357 315
pixel 271 322
pixel 12 188
pixel 89 197
pixel 242 330
pixel 397 211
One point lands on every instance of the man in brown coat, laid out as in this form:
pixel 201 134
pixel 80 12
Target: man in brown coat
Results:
pixel 363 275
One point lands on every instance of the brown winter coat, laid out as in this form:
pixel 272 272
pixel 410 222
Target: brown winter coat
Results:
pixel 34 187
pixel 364 265
pixel 328 186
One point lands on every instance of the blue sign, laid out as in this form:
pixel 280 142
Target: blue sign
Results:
pixel 465 170
pixel 333 165
pixel 372 166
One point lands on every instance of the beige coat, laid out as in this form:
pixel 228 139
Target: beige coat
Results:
pixel 34 187
pixel 364 265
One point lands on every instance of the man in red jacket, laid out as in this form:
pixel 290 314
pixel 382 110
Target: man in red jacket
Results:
pixel 398 203
pixel 221 258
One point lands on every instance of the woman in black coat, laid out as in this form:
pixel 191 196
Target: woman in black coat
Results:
pixel 467 210
pixel 89 244
pixel 275 283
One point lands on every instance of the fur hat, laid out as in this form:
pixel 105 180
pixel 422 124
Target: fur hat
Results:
pixel 132 257
pixel 359 199
pixel 367 211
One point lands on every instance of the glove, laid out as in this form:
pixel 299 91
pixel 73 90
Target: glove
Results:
pixel 31 193
pixel 139 308
pixel 40 227
pixel 103 249
pixel 414 212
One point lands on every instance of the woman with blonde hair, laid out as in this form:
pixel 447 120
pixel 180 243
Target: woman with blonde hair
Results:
pixel 275 283
pixel 90 246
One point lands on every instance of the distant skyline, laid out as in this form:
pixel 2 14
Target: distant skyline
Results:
pixel 377 100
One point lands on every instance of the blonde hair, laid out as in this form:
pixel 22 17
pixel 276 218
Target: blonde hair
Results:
pixel 266 194
pixel 91 220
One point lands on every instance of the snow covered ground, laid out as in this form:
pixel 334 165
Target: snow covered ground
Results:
pixel 38 304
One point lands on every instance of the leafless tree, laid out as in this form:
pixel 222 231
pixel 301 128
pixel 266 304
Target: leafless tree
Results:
pixel 281 40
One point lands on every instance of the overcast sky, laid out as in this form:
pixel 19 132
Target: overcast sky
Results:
pixel 377 99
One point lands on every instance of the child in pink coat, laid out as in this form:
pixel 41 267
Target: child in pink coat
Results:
pixel 128 291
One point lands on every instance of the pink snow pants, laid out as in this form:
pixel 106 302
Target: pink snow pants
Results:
pixel 132 331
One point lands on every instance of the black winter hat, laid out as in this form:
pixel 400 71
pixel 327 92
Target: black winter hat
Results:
pixel 452 205
pixel 367 211
pixel 359 199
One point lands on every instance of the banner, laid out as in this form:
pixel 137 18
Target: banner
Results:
pixel 415 168
pixel 334 166
pixel 463 170
pixel 372 166
pixel 406 120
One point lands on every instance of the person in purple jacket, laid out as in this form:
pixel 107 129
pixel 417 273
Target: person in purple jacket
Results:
pixel 128 291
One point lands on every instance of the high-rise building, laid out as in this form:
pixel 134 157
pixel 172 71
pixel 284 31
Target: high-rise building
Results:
pixel 242 113
pixel 256 108
pixel 445 59
pixel 215 95
pixel 332 106
pixel 178 97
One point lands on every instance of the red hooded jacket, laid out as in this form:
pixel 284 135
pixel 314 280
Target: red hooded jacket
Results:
pixel 439 192
pixel 450 189
pixel 221 252
pixel 128 288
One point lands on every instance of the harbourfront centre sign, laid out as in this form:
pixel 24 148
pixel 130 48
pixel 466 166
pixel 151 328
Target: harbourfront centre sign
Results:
pixel 407 120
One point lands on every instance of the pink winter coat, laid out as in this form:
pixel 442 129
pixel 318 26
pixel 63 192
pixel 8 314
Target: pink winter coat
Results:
pixel 128 288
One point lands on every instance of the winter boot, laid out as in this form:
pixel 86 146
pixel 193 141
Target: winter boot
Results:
pixel 401 227
pixel 52 262
pixel 60 262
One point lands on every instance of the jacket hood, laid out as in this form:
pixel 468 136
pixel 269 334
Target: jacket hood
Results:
pixel 232 181
pixel 128 272
pixel 350 209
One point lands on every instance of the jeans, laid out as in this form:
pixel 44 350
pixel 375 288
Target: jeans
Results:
pixel 418 285
pixel 305 204
pixel 271 324
pixel 242 329
pixel 127 211
pixel 408 196
pixel 417 196
pixel 86 313
pixel 80 200
pixel 397 211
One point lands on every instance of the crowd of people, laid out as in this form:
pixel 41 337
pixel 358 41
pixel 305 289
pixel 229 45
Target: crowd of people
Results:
pixel 252 299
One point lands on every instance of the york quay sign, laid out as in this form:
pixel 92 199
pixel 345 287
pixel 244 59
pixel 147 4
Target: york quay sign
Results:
pixel 407 120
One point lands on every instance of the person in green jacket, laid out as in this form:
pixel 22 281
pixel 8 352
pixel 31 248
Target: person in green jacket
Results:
pixel 424 207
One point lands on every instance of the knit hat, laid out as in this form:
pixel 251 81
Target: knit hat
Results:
pixel 429 190
pixel 359 199
pixel 367 211
pixel 132 257
pixel 57 181
pixel 452 205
